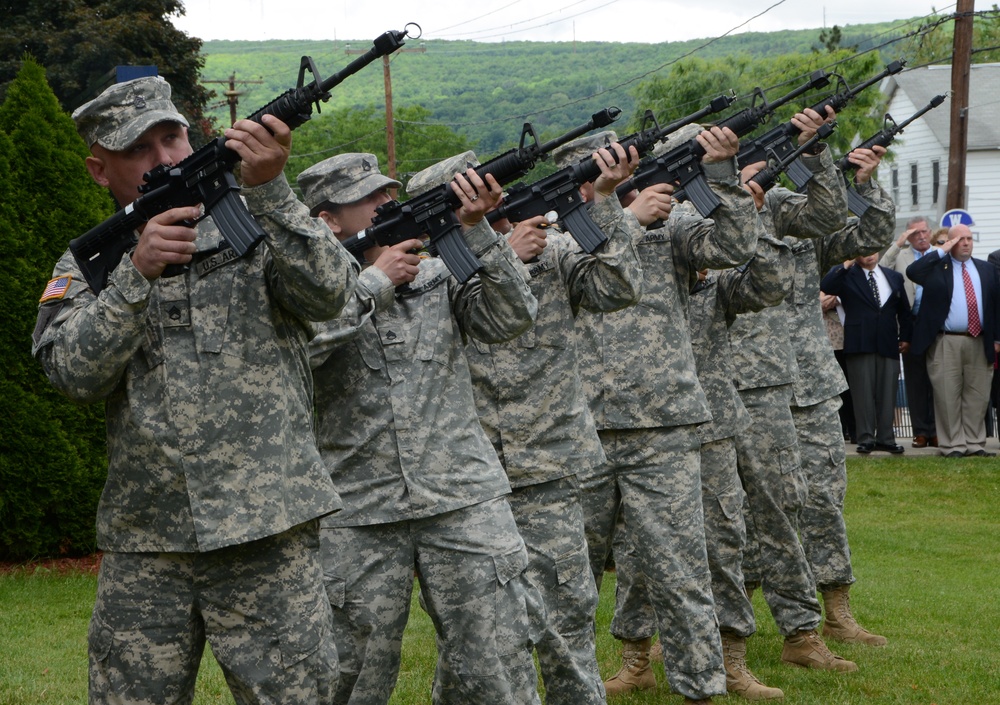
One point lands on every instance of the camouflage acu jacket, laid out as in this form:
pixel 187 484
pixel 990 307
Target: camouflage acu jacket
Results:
pixel 763 354
pixel 528 391
pixel 397 424
pixel 206 382
pixel 637 365
pixel 714 303
pixel 820 376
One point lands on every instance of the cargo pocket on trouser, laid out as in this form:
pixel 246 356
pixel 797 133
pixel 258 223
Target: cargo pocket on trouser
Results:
pixel 576 594
pixel 309 664
pixel 513 637
pixel 794 489
pixel 100 638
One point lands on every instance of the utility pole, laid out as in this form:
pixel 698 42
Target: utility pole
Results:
pixel 390 129
pixel 959 139
pixel 232 95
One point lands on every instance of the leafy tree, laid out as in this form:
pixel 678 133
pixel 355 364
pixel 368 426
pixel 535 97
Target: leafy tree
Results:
pixel 832 40
pixel 419 143
pixel 52 452
pixel 80 41
pixel 693 82
pixel 933 42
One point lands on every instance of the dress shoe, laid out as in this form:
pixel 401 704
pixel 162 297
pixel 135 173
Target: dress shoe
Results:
pixel 955 454
pixel 865 448
pixel 919 442
pixel 890 448
pixel 932 442
pixel 981 454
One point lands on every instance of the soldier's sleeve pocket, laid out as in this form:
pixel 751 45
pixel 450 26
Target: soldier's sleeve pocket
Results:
pixel 510 565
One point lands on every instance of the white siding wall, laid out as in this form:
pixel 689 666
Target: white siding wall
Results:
pixel 918 144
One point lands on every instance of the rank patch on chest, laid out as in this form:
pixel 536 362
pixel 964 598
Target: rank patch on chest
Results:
pixel 175 314
pixel 56 288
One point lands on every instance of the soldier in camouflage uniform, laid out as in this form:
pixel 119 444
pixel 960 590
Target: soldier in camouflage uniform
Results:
pixel 768 451
pixel 816 399
pixel 531 404
pixel 397 427
pixel 715 301
pixel 208 516
pixel 639 374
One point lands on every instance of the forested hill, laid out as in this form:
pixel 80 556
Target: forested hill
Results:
pixel 485 91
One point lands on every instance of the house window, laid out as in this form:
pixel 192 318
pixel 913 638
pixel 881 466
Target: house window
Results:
pixel 914 186
pixel 895 183
pixel 935 180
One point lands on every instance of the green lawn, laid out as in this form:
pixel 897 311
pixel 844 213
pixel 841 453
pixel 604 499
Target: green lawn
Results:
pixel 924 535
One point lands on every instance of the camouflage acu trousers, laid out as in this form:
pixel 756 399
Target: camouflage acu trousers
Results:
pixel 470 563
pixel 261 606
pixel 821 522
pixel 725 534
pixel 550 518
pixel 771 471
pixel 654 477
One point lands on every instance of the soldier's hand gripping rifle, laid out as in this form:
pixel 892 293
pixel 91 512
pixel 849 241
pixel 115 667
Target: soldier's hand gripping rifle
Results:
pixel 433 212
pixel 560 192
pixel 768 176
pixel 856 203
pixel 780 140
pixel 682 165
pixel 206 177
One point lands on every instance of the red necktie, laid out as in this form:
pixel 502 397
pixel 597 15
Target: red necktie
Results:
pixel 975 327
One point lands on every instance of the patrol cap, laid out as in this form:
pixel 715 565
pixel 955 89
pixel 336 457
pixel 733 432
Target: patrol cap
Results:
pixel 123 112
pixel 440 173
pixel 582 147
pixel 342 179
pixel 677 138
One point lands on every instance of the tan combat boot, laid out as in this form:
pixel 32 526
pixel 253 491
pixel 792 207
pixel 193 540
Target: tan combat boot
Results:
pixel 739 679
pixel 635 673
pixel 808 649
pixel 840 623
pixel 656 652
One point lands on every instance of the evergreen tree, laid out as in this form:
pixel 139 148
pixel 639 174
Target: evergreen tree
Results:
pixel 80 41
pixel 52 452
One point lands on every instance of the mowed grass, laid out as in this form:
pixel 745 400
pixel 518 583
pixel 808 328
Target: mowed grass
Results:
pixel 924 533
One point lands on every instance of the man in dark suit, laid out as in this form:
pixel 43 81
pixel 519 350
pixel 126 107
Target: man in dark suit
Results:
pixel 877 327
pixel 958 326
pixel 899 256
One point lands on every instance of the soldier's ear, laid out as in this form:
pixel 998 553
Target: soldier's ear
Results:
pixel 95 165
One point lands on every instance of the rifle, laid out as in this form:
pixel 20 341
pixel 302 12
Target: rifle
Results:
pixel 768 176
pixel 778 140
pixel 206 177
pixel 433 212
pixel 560 192
pixel 682 165
pixel 856 203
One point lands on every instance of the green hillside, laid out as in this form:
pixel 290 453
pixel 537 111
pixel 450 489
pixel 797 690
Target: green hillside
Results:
pixel 485 91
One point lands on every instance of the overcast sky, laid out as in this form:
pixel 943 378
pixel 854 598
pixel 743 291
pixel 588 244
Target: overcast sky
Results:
pixel 531 20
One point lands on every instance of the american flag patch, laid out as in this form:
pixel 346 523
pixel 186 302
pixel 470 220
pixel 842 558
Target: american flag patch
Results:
pixel 56 288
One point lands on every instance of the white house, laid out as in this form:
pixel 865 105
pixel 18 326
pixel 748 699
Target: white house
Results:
pixel 917 177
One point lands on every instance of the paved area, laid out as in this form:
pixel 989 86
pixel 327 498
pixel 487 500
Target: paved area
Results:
pixel 992 444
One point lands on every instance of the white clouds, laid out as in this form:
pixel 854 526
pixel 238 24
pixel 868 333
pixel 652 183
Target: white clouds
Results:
pixel 532 20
